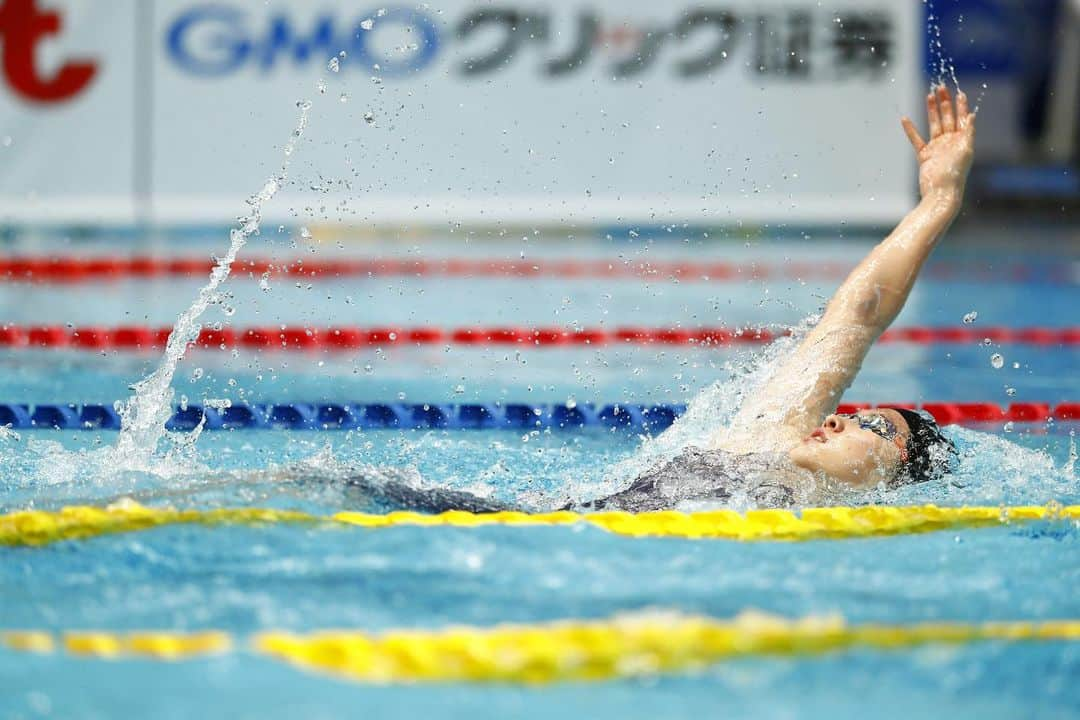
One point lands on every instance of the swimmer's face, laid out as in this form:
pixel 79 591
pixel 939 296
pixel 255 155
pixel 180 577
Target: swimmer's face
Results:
pixel 853 454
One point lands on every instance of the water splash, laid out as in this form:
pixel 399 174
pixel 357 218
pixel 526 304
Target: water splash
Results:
pixel 714 408
pixel 942 64
pixel 144 415
pixel 992 469
pixel 940 60
pixel 1070 465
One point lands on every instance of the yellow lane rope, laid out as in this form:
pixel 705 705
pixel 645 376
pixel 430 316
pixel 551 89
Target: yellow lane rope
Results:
pixel 577 650
pixel 36 527
pixel 605 649
pixel 163 646
pixel 150 645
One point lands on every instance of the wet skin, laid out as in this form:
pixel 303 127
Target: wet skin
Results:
pixel 854 455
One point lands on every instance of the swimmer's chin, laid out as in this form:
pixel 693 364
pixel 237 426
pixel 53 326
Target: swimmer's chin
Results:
pixel 813 455
pixel 803 454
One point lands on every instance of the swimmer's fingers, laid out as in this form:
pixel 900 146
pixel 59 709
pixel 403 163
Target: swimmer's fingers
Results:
pixel 965 118
pixel 945 109
pixel 962 107
pixel 912 134
pixel 932 115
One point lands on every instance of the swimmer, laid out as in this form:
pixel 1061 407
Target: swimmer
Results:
pixel 787 442
pixel 786 446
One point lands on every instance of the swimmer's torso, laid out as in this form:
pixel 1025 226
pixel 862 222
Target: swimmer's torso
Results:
pixel 694 479
pixel 698 477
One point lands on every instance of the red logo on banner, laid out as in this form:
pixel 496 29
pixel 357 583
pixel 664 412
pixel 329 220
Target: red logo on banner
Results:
pixel 22 26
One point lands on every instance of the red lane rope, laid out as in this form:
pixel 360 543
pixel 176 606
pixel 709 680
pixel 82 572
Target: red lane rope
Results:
pixel 951 413
pixel 297 337
pixel 87 269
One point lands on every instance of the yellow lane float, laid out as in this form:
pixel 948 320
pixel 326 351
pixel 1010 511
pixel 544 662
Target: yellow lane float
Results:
pixel 39 527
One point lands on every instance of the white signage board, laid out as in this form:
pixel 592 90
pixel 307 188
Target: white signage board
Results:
pixel 617 112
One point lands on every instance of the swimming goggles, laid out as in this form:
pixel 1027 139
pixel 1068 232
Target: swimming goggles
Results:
pixel 877 424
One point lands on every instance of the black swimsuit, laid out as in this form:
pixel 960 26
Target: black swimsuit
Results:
pixel 713 477
pixel 708 477
pixel 392 489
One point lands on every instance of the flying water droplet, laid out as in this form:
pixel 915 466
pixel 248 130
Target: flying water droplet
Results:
pixel 367 24
pixel 333 65
pixel 321 86
pixel 971 317
pixel 997 361
pixel 305 233
pixel 369 117
pixel 344 97
pixel 1070 465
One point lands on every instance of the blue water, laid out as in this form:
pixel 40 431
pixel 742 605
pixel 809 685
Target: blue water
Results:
pixel 246 580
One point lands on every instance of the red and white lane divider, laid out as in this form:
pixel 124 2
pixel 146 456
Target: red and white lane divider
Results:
pixel 53 269
pixel 951 413
pixel 295 337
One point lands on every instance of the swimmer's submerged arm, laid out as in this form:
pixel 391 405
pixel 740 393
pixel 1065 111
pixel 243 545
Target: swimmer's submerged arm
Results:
pixel 869 300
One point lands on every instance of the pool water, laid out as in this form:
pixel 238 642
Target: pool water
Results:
pixel 244 579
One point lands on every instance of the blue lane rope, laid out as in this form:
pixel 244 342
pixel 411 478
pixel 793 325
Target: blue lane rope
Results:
pixel 352 416
pixel 475 416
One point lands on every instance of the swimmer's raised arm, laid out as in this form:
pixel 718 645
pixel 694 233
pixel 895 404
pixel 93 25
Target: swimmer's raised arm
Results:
pixel 875 292
pixel 809 384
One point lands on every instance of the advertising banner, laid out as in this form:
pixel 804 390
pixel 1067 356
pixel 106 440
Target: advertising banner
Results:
pixel 464 112
pixel 67 111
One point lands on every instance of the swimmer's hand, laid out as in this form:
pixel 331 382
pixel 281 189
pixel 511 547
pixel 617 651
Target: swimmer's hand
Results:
pixel 945 160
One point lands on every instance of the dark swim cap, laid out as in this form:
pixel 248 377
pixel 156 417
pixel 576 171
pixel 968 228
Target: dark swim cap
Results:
pixel 930 453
